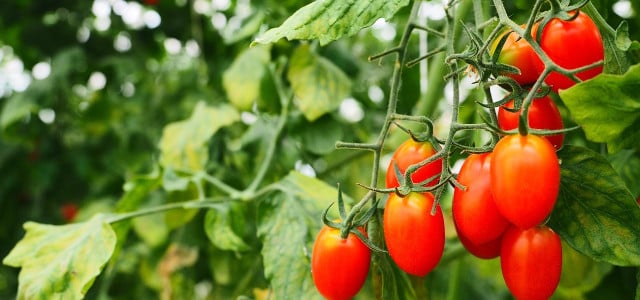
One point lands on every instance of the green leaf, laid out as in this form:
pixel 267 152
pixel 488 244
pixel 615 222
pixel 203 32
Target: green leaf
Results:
pixel 606 107
pixel 329 20
pixel 595 213
pixel 318 84
pixel 61 261
pixel 627 164
pixel 172 182
pixel 243 80
pixel 250 25
pixel 183 143
pixel 585 274
pixel 289 220
pixel 321 136
pixel 219 226
pixel 15 109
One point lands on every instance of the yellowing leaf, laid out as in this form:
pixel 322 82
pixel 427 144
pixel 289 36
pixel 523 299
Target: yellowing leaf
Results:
pixel 61 262
pixel 183 143
pixel 242 81
pixel 328 20
pixel 318 84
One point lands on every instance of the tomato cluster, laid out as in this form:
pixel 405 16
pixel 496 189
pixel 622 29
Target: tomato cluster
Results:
pixel 508 195
pixel 559 40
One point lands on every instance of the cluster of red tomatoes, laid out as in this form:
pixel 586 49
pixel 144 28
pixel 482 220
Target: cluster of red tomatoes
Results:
pixel 508 193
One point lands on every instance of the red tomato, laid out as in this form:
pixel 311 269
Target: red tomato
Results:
pixel 531 261
pixel 414 237
pixel 475 214
pixel 487 250
pixel 543 114
pixel 409 153
pixel 339 266
pixel 151 2
pixel 525 179
pixel 69 212
pixel 517 52
pixel 571 44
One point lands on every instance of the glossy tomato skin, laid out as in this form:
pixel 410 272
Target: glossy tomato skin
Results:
pixel 525 179
pixel 517 52
pixel 543 114
pixel 414 237
pixel 411 152
pixel 475 214
pixel 486 250
pixel 531 262
pixel 339 266
pixel 571 44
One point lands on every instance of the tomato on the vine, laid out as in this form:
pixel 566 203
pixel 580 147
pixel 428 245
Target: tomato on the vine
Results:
pixel 543 114
pixel 531 262
pixel 525 178
pixel 475 214
pixel 339 266
pixel 414 237
pixel 517 52
pixel 571 44
pixel 486 250
pixel 409 153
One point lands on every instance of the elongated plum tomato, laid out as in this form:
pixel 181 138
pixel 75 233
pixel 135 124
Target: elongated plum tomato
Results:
pixel 475 214
pixel 411 152
pixel 414 237
pixel 525 178
pixel 487 250
pixel 531 262
pixel 339 266
pixel 517 52
pixel 571 44
pixel 543 114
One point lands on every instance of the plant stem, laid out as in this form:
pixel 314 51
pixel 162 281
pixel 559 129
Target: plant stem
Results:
pixel 271 150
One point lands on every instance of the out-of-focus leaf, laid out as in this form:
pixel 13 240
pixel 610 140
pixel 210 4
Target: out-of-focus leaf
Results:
pixel 243 80
pixel 249 26
pixel 321 138
pixel 61 261
pixel 608 108
pixel 183 143
pixel 329 20
pixel 152 229
pixel 172 182
pixel 218 224
pixel 15 109
pixel 595 213
pixel 319 85
pixel 289 220
pixel 582 274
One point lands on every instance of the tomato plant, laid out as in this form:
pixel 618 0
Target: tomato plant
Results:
pixel 339 266
pixel 204 141
pixel 543 114
pixel 475 214
pixel 518 53
pixel 411 152
pixel 571 44
pixel 531 262
pixel 414 237
pixel 525 178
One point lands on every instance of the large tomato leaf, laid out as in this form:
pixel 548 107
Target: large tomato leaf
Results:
pixel 289 221
pixel 183 143
pixel 242 81
pixel 61 261
pixel 595 212
pixel 329 20
pixel 318 84
pixel 608 108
